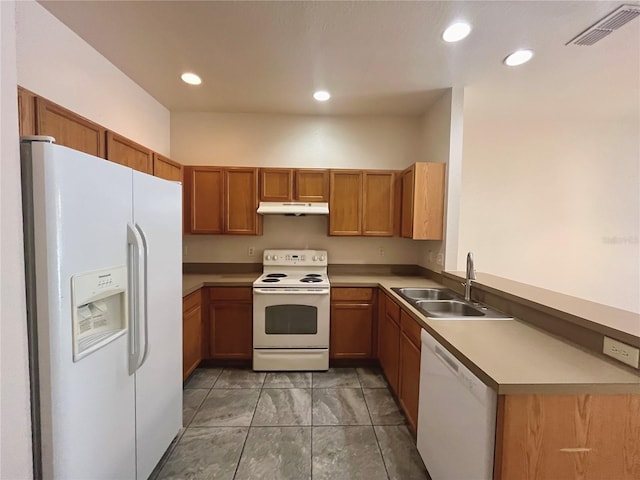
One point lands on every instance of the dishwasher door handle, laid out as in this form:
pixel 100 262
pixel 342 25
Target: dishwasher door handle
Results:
pixel 452 364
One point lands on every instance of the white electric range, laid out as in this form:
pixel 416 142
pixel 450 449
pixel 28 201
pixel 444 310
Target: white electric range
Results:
pixel 291 311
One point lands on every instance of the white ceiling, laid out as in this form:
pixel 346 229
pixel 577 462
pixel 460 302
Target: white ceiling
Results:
pixel 374 57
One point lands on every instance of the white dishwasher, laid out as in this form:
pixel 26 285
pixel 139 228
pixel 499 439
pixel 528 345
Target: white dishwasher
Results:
pixel 456 417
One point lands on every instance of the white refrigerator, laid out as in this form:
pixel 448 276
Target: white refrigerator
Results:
pixel 103 248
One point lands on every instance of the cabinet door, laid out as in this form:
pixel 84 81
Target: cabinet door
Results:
pixel 26 112
pixel 311 185
pixel 166 168
pixel 378 204
pixel 389 348
pixel 125 152
pixel 276 184
pixel 231 330
pixel 241 202
pixel 345 202
pixel 191 332
pixel 351 330
pixel 203 199
pixel 406 226
pixel 423 201
pixel 68 128
pixel 409 381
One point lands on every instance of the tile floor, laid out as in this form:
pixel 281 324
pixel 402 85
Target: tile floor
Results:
pixel 337 425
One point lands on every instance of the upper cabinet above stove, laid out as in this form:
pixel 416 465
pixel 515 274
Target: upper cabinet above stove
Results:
pixel 288 184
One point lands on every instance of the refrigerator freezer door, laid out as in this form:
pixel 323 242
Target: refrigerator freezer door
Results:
pixel 158 217
pixel 81 208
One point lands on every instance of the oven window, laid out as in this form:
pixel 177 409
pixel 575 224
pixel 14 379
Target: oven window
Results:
pixel 291 320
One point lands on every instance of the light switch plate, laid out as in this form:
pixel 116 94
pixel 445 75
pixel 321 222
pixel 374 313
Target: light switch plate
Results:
pixel 621 351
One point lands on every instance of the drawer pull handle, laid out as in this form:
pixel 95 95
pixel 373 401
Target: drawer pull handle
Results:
pixel 575 450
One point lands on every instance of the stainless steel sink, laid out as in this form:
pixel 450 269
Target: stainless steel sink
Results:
pixel 426 293
pixel 445 304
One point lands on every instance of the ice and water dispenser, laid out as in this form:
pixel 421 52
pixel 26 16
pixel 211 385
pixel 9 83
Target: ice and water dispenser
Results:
pixel 99 309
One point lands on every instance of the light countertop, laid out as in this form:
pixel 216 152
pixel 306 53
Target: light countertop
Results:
pixel 510 356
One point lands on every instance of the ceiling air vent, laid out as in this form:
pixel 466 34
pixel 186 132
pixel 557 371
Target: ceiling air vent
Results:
pixel 606 25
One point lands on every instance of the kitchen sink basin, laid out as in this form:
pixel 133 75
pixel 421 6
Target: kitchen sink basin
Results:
pixel 426 293
pixel 445 304
pixel 448 308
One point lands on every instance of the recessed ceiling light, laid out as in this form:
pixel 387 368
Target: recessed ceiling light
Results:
pixel 322 96
pixel 191 78
pixel 456 32
pixel 518 58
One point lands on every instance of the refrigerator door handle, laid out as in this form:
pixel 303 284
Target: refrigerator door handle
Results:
pixel 145 295
pixel 136 272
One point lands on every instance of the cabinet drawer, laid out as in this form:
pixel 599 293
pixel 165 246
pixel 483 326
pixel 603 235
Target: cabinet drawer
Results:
pixel 231 293
pixel 391 309
pixel 410 327
pixel 352 294
pixel 192 300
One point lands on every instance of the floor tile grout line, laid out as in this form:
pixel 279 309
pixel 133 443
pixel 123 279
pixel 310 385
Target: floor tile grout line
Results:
pixel 386 469
pixel 244 444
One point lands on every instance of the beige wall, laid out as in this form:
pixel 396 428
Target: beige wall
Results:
pixel 297 141
pixel 57 64
pixel 15 418
pixel 553 200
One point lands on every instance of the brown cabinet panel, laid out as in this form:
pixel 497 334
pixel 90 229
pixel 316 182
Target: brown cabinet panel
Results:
pixel 410 328
pixel 276 184
pixel 126 152
pixel 409 381
pixel 352 294
pixel 389 349
pixel 312 185
pixel 351 330
pixel 203 199
pixel 391 309
pixel 568 436
pixel 236 294
pixel 68 128
pixel 191 338
pixel 26 112
pixel 166 168
pixel 378 203
pixel 423 201
pixel 231 330
pixel 241 202
pixel 345 202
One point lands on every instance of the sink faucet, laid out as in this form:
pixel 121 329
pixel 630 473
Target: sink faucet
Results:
pixel 471 275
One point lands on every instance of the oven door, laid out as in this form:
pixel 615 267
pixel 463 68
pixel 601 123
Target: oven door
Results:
pixel 290 318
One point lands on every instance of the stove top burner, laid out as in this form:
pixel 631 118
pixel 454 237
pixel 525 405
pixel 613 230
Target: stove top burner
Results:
pixel 270 280
pixel 276 275
pixel 309 279
pixel 317 275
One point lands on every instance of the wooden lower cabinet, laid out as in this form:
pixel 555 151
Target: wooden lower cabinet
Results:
pixel 389 340
pixel 191 332
pixel 409 376
pixel 230 323
pixel 352 323
pixel 548 437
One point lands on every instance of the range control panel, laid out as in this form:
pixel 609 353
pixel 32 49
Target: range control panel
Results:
pixel 311 258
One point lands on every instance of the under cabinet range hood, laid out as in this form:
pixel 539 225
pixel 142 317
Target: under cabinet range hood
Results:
pixel 293 208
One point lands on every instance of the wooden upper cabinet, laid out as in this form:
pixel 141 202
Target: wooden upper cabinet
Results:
pixel 423 201
pixel 378 203
pixel 276 184
pixel 203 192
pixel 345 202
pixel 68 128
pixel 288 184
pixel 166 168
pixel 241 202
pixel 26 112
pixel 126 152
pixel 311 185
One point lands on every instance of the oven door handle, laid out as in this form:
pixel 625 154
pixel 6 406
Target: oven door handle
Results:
pixel 283 291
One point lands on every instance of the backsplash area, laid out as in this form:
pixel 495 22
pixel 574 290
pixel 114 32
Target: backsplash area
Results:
pixel 309 232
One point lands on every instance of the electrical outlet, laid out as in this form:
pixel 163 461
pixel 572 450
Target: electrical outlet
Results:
pixel 251 252
pixel 381 251
pixel 185 251
pixel 621 351
pixel 440 260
